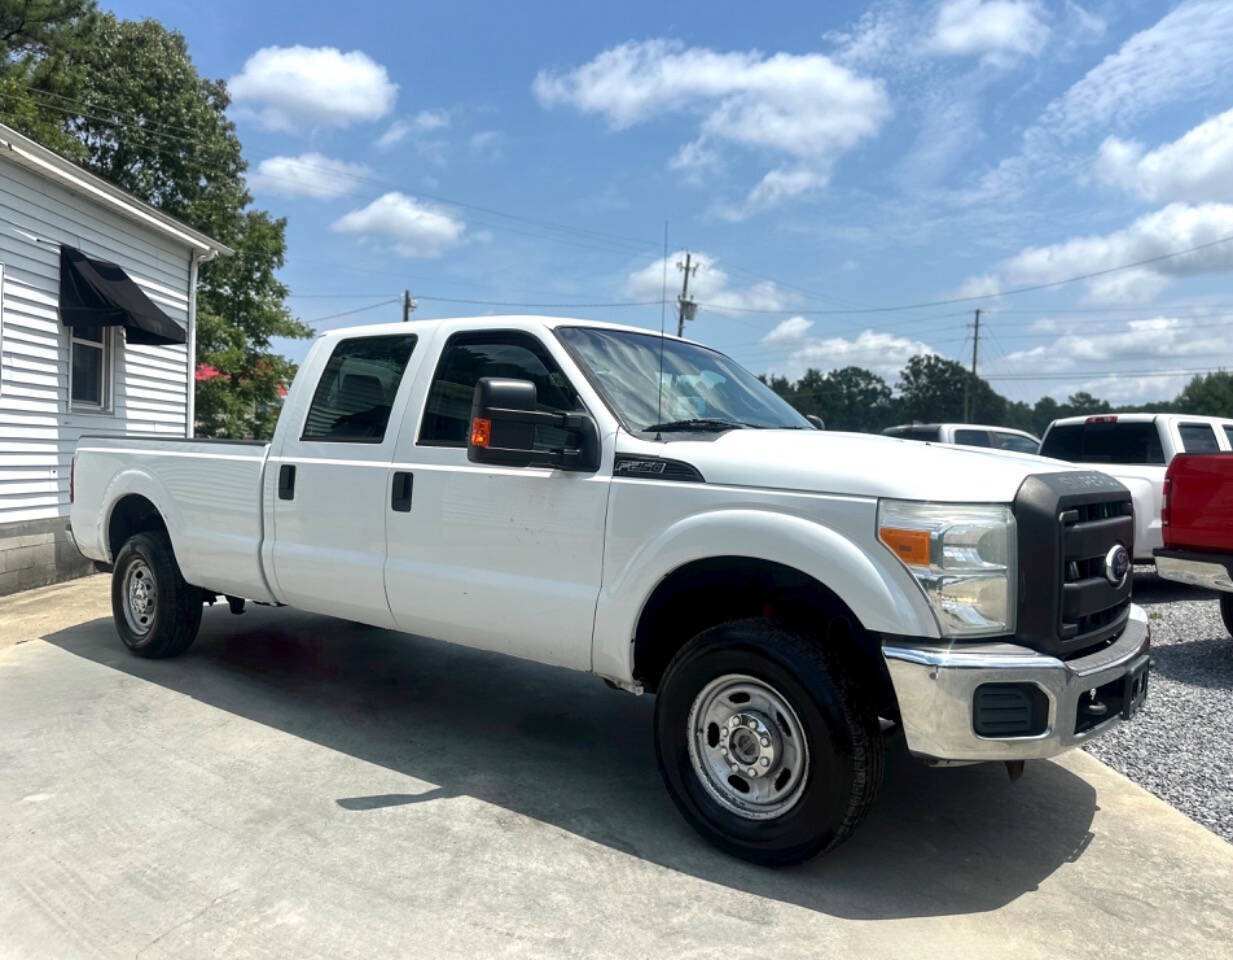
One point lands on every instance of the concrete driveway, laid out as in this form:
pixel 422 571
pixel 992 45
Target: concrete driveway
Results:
pixel 301 787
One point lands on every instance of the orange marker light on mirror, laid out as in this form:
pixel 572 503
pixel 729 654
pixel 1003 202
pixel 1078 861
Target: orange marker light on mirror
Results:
pixel 910 546
pixel 481 432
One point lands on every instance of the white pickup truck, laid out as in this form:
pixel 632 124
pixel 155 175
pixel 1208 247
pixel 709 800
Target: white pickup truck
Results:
pixel 640 507
pixel 1136 448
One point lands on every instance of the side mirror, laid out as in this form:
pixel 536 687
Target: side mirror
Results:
pixel 818 422
pixel 503 423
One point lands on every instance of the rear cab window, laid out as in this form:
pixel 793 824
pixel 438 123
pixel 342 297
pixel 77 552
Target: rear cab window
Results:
pixel 914 433
pixel 469 357
pixel 1228 434
pixel 355 394
pixel 1105 441
pixel 1198 438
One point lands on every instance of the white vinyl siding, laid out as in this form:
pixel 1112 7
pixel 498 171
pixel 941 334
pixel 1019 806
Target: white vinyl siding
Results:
pixel 146 387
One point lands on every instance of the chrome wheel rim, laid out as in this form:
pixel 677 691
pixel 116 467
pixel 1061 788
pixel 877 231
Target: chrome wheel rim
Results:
pixel 140 597
pixel 747 747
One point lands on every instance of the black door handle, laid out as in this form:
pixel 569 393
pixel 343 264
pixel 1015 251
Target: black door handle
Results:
pixel 286 481
pixel 400 496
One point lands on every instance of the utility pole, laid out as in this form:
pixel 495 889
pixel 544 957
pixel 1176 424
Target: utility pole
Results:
pixel 685 308
pixel 968 412
pixel 408 304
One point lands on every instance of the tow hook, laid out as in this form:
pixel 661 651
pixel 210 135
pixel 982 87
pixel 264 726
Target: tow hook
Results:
pixel 236 604
pixel 1014 769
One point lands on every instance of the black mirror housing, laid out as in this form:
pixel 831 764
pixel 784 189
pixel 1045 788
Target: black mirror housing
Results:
pixel 503 422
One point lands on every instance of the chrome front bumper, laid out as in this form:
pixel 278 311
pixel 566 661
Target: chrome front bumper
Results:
pixel 1194 569
pixel 936 685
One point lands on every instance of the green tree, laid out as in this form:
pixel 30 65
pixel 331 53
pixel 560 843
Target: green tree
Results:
pixel 931 388
pixel 1208 394
pixel 138 114
pixel 1083 403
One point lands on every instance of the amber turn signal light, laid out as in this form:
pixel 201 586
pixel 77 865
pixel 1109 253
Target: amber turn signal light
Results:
pixel 910 546
pixel 481 432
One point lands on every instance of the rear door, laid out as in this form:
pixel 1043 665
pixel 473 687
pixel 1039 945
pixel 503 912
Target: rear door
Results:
pixel 504 558
pixel 331 481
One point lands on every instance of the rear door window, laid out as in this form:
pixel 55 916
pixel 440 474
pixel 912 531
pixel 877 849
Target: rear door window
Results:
pixel 356 391
pixel 1198 438
pixel 1228 433
pixel 1012 441
pixel 1134 443
pixel 973 438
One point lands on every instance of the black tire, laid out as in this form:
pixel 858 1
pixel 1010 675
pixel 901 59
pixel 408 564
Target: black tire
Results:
pixel 1226 610
pixel 170 625
pixel 845 744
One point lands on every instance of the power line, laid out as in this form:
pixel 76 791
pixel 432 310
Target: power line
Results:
pixel 347 313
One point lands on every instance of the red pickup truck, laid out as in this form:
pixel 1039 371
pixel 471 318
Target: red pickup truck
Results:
pixel 1197 523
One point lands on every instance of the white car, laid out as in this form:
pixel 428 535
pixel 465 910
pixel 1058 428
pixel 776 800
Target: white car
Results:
pixel 968 435
pixel 604 499
pixel 1136 448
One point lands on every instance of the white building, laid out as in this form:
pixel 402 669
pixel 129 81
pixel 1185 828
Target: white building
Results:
pixel 57 381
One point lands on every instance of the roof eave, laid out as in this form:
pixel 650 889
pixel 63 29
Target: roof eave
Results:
pixel 21 149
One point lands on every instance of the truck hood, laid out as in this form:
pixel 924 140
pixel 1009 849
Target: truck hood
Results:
pixel 856 464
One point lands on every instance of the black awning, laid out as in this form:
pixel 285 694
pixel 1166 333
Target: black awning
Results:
pixel 95 293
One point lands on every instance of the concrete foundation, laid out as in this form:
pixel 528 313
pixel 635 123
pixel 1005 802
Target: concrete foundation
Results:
pixel 35 553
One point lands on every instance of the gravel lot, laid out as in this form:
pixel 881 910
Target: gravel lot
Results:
pixel 1180 747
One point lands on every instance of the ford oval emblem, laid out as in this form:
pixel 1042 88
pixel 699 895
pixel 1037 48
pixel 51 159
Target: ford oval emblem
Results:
pixel 1117 565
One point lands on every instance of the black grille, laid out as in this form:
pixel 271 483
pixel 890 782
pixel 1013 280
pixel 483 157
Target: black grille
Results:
pixel 1067 524
pixel 1091 604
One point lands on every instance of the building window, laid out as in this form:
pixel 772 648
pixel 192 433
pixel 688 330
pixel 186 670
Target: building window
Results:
pixel 91 367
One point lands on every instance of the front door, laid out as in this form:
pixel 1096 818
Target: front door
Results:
pixel 331 480
pixel 503 558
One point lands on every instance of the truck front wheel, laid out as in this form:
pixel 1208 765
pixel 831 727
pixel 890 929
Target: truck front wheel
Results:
pixel 156 613
pixel 766 745
pixel 1226 610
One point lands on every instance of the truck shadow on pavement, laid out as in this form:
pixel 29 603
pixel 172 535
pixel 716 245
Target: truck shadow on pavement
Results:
pixel 561 747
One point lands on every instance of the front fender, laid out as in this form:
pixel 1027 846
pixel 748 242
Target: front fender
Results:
pixel 867 578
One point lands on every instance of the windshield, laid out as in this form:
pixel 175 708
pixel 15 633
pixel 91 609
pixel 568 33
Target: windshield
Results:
pixel 701 389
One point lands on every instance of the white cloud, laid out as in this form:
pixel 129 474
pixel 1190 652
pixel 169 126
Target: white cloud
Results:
pixel 1183 55
pixel 308 175
pixel 709 286
pixel 298 88
pixel 806 109
pixel 1145 340
pixel 486 144
pixel 1178 226
pixel 403 127
pixel 794 328
pixel 877 350
pixel 995 29
pixel 412 227
pixel 1197 166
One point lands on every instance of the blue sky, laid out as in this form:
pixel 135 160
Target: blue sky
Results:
pixel 819 160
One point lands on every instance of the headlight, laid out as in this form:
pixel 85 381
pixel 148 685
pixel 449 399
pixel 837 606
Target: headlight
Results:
pixel 963 557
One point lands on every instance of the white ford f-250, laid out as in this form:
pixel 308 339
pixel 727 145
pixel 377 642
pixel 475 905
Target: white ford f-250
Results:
pixel 609 500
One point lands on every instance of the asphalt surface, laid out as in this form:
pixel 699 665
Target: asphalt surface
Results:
pixel 298 786
pixel 1180 747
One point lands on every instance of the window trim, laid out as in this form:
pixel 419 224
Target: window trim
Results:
pixel 106 376
pixel 371 441
pixel 543 352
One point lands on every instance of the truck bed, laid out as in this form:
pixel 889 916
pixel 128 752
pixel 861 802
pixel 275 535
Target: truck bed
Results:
pixel 1199 500
pixel 208 491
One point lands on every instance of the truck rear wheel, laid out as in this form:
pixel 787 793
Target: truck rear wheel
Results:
pixel 767 747
pixel 1226 610
pixel 156 613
